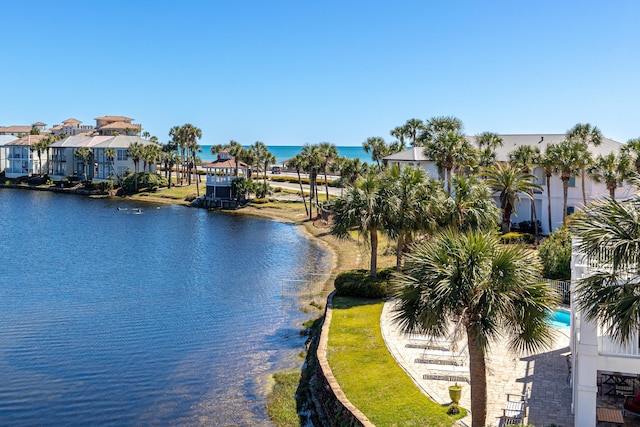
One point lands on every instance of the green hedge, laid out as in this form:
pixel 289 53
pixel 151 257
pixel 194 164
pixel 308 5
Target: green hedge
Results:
pixel 358 283
pixel 513 237
pixel 304 180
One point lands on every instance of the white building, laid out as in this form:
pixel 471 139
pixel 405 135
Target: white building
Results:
pixel 65 164
pixel 19 160
pixel 593 352
pixel 551 194
pixel 5 139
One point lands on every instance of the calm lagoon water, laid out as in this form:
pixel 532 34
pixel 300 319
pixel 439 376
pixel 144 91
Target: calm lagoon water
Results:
pixel 171 316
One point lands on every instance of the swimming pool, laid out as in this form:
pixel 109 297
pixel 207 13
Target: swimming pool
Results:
pixel 560 319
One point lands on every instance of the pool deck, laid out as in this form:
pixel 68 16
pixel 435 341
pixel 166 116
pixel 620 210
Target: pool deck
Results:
pixel 544 375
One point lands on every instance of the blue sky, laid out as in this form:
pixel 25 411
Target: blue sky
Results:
pixel 292 72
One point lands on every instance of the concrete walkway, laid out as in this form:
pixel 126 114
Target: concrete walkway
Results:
pixel 544 375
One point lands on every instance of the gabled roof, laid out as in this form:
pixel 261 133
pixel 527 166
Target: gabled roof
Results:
pixel 122 141
pixel 224 164
pixel 27 140
pixel 80 141
pixel 120 125
pixel 57 127
pixel 71 121
pixel 115 118
pixel 15 129
pixel 510 143
pixel 39 124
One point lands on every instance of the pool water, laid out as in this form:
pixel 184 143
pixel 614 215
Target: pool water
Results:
pixel 560 319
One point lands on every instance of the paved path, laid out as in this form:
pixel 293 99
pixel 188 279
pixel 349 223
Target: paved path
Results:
pixel 544 375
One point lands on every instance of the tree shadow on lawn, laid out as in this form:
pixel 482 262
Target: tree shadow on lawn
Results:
pixel 340 302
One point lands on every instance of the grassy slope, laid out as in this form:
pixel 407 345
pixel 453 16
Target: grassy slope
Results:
pixel 368 374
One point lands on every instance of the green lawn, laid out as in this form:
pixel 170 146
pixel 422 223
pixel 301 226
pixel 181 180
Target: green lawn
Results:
pixel 368 374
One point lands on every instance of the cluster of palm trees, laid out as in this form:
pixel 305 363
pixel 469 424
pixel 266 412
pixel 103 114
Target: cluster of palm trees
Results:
pixel 456 271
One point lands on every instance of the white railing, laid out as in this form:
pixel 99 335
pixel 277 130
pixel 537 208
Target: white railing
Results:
pixel 608 346
pixel 219 179
pixel 563 288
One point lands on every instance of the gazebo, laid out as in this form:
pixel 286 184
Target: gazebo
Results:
pixel 220 176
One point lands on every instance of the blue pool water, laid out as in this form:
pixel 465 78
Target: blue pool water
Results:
pixel 560 319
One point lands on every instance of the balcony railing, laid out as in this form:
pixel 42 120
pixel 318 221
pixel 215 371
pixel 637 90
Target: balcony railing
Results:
pixel 608 346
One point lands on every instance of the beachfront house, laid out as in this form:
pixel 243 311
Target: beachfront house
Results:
pixel 20 160
pixel 597 360
pixel 65 164
pixel 415 157
pixel 120 125
pixel 220 176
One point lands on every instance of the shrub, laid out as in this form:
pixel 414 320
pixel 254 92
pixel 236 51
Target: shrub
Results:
pixel 146 181
pixel 555 254
pixel 514 237
pixel 262 190
pixel 527 226
pixel 358 283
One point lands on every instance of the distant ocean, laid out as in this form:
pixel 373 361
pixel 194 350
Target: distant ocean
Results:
pixel 285 152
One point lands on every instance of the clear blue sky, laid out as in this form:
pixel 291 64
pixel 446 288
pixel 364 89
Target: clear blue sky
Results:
pixel 291 72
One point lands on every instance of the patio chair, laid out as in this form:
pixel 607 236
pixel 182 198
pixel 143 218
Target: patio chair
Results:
pixel 444 357
pixel 515 409
pixel 631 404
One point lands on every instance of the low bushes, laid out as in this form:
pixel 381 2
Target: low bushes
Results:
pixel 513 238
pixel 358 283
pixel 304 180
pixel 555 254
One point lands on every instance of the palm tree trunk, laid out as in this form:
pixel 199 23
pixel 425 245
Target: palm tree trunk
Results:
pixel 612 192
pixel 373 233
pixel 565 191
pixel 311 194
pixel 478 377
pixel 170 169
pixel 584 194
pixel 197 176
pixel 534 214
pixel 302 193
pixel 399 250
pixel 326 184
pixel 506 218
pixel 449 181
pixel 549 201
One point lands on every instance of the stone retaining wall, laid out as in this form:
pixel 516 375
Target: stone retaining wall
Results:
pixel 334 404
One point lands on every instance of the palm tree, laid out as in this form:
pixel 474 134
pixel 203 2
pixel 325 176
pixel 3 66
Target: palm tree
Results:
pixel 190 135
pixel 267 159
pixel 632 149
pixel 567 158
pixel 510 182
pixel 328 154
pixel 378 149
pixel 177 138
pixel 612 170
pixel 297 162
pixel 135 153
pixel 399 132
pixel 526 157
pixel 362 208
pixel 438 125
pixel 410 201
pixel 146 135
pixel 608 235
pixel 489 289
pixel 487 143
pixel 110 155
pixel 312 160
pixel 471 207
pixel 259 150
pixel 448 150
pixel 194 149
pixel 42 146
pixel 84 153
pixel 548 163
pixel 586 135
pixel 413 127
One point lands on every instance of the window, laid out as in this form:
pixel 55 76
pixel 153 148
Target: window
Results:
pixel 570 210
pixel 122 154
pixel 572 181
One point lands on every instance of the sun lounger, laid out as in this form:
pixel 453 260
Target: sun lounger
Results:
pixel 515 409
pixel 444 357
pixel 447 373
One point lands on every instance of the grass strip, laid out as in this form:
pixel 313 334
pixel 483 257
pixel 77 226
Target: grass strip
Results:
pixel 368 374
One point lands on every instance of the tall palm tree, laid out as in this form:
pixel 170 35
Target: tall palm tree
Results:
pixel 378 149
pixel 177 138
pixel 194 149
pixel 41 146
pixel 471 207
pixel 146 135
pixel 585 134
pixel 362 208
pixel 487 143
pixel 510 182
pixel 84 153
pixel 547 162
pixel 410 202
pixel 297 162
pixel 312 160
pixel 399 132
pixel 526 157
pixel 567 158
pixel 267 159
pixel 259 150
pixel 328 154
pixel 190 135
pixel 353 169
pixel 448 150
pixel 612 170
pixel 439 125
pixel 632 149
pixel 489 289
pixel 110 155
pixel 413 127
pixel 135 153
pixel 608 235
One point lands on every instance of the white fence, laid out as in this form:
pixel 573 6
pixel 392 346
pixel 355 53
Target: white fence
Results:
pixel 563 288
